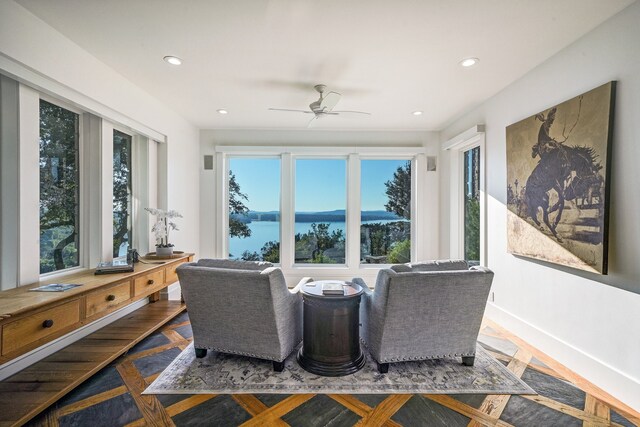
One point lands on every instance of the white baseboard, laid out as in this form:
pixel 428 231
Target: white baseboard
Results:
pixel 16 365
pixel 608 378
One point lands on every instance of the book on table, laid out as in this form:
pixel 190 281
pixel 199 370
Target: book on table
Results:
pixel 55 287
pixel 333 288
pixel 115 266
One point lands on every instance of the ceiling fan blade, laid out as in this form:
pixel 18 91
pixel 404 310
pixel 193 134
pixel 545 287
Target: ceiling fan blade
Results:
pixel 295 111
pixel 313 121
pixel 329 101
pixel 352 113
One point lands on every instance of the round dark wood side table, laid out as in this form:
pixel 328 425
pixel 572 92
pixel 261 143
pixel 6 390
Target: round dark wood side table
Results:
pixel 331 333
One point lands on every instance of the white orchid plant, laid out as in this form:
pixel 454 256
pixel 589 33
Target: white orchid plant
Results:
pixel 163 225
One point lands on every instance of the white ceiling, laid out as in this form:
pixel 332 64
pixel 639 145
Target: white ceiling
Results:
pixel 386 57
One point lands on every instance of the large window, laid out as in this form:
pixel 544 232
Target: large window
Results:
pixel 330 212
pixel 59 188
pixel 122 230
pixel 467 196
pixel 254 209
pixel 385 205
pixel 320 209
pixel 63 169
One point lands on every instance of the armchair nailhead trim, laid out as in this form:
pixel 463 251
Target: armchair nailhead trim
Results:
pixel 423 357
pixel 258 356
pixel 241 353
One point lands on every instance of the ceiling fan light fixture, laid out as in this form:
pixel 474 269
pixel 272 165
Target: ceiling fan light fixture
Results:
pixel 222 111
pixel 417 113
pixel 469 62
pixel 173 60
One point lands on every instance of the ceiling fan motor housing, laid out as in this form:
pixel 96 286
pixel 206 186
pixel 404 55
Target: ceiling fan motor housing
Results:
pixel 315 106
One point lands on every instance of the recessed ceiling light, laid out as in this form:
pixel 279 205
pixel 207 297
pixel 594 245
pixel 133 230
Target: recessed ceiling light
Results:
pixel 173 60
pixel 222 111
pixel 469 62
pixel 417 113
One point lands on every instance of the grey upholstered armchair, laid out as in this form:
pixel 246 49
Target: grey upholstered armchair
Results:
pixel 424 311
pixel 242 308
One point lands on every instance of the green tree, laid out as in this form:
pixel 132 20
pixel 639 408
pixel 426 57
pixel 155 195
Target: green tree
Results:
pixel 323 239
pixel 378 238
pixel 121 190
pixel 59 188
pixel 271 252
pixel 237 209
pixel 400 252
pixel 472 230
pixel 250 256
pixel 399 192
pixel 311 246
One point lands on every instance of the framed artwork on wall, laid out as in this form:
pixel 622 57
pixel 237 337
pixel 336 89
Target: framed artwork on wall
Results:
pixel 558 168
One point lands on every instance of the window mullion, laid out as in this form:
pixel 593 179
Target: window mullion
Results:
pixel 287 215
pixel 353 211
pixel 9 185
pixel 222 205
pixel 91 190
pixel 140 188
pixel 106 191
pixel 418 177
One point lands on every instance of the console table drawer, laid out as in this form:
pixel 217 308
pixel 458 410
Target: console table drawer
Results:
pixel 30 329
pixel 170 273
pixel 148 282
pixel 105 299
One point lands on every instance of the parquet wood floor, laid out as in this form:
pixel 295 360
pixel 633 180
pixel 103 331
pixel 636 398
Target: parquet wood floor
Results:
pixel 113 396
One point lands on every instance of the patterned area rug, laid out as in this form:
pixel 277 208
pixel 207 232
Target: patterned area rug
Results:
pixel 219 373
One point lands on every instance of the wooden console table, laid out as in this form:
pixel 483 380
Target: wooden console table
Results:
pixel 30 319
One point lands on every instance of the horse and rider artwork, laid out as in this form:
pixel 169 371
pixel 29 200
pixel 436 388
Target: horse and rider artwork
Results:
pixel 558 182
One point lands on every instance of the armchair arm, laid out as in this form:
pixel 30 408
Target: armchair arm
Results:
pixel 300 284
pixel 365 309
pixel 363 284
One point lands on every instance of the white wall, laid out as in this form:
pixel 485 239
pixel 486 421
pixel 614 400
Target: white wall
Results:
pixel 37 55
pixel 318 138
pixel 588 322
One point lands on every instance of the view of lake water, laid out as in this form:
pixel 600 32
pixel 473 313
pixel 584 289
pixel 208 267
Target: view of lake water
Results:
pixel 266 231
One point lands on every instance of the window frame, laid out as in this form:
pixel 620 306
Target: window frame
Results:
pixel 225 213
pixel 134 189
pixel 81 180
pixel 414 195
pixel 353 155
pixel 457 146
pixel 21 104
pixel 347 224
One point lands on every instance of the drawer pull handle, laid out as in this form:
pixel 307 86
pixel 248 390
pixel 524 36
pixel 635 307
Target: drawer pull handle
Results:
pixel 47 323
pixel 150 282
pixel 111 297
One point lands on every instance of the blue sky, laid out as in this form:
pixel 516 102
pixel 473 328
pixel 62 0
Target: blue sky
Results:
pixel 259 179
pixel 320 184
pixel 373 175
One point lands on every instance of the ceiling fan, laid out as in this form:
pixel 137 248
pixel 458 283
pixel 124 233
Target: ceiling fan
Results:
pixel 324 106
